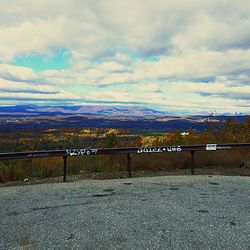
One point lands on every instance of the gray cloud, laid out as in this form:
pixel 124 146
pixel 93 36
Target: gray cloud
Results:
pixel 100 28
pixel 203 50
pixel 29 91
pixel 235 96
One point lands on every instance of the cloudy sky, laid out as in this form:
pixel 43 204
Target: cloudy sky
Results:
pixel 188 56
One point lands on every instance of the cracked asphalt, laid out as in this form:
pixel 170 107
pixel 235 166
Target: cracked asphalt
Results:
pixel 171 212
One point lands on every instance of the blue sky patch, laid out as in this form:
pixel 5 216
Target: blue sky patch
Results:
pixel 42 62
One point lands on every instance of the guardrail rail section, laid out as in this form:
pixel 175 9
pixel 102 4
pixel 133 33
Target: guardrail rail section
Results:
pixel 130 150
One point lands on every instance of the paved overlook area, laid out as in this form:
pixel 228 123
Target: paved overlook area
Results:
pixel 172 212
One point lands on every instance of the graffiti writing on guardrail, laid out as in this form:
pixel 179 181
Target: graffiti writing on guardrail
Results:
pixel 37 155
pixel 77 152
pixel 211 147
pixel 159 149
pixel 224 147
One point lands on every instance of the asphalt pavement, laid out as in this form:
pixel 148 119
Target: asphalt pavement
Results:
pixel 171 212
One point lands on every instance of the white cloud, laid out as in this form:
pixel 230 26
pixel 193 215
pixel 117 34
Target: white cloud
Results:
pixel 23 83
pixel 99 28
pixel 17 73
pixel 122 58
pixel 62 95
pixel 27 38
pixel 191 66
pixel 26 87
pixel 201 48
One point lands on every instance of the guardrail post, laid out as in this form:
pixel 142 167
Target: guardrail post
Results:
pixel 129 165
pixel 64 168
pixel 192 162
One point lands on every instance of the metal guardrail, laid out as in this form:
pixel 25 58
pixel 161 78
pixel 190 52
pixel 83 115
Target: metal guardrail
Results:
pixel 130 150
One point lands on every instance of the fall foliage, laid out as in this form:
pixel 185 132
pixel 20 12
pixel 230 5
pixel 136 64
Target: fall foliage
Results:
pixel 28 140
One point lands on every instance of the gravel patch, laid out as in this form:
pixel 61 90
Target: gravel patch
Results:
pixel 170 212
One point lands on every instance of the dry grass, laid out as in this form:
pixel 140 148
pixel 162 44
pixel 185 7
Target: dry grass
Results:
pixel 106 165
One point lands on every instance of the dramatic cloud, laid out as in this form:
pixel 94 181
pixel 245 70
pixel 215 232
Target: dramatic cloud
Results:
pixel 173 55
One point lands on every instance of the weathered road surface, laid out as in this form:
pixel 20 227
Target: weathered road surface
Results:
pixel 173 212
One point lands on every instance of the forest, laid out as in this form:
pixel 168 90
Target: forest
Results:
pixel 231 131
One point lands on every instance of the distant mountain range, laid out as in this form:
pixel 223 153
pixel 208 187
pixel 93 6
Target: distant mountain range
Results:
pixel 132 117
pixel 33 110
pixel 97 110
